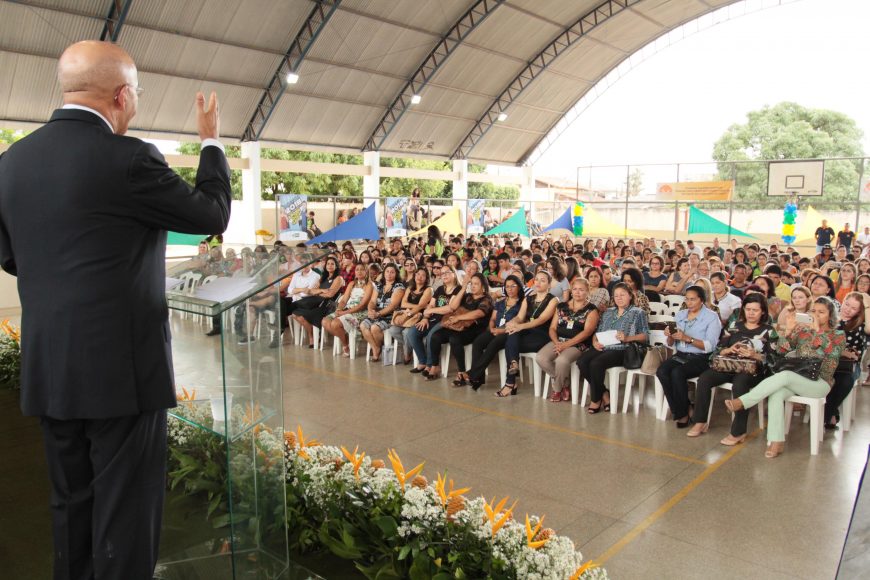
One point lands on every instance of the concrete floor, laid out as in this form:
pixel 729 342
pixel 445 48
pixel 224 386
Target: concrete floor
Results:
pixel 632 492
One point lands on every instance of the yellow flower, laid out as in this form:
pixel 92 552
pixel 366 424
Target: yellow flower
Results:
pixel 531 533
pixel 354 459
pixel 584 568
pixel 443 493
pixel 252 414
pixel 185 396
pixel 265 233
pixel 300 441
pixel 11 330
pixel 494 515
pixel 401 475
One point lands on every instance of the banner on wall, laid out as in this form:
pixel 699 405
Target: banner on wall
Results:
pixel 475 217
pixel 396 217
pixel 292 217
pixel 696 190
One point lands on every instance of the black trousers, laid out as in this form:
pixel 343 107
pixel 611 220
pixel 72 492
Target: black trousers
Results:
pixel 741 383
pixel 457 341
pixel 674 378
pixel 107 484
pixel 844 380
pixel 593 366
pixel 531 340
pixel 483 350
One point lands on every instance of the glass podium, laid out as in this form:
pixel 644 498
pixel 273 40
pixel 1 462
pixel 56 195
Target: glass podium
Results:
pixel 225 510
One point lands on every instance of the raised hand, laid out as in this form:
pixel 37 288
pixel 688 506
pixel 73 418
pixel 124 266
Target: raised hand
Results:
pixel 208 120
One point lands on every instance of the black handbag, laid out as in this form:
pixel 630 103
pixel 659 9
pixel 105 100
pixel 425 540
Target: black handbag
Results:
pixel 806 367
pixel 635 352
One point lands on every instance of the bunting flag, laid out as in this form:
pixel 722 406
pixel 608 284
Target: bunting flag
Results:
pixel 704 223
pixel 806 230
pixel 516 224
pixel 449 223
pixel 594 224
pixel 789 217
pixel 362 227
pixel 563 222
pixel 176 239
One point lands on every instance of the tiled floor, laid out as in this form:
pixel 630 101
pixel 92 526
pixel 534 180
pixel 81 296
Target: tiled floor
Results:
pixel 628 489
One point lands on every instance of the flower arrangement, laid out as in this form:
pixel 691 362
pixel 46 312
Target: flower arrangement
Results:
pixel 393 523
pixel 10 355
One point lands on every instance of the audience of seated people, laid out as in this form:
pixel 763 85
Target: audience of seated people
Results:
pixel 555 297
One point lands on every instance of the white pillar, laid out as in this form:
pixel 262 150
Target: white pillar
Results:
pixel 372 181
pixel 527 188
pixel 250 217
pixel 460 187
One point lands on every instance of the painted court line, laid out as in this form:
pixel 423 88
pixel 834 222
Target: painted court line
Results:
pixel 677 498
pixel 507 416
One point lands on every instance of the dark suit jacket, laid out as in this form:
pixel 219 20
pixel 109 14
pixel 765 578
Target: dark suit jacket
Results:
pixel 83 220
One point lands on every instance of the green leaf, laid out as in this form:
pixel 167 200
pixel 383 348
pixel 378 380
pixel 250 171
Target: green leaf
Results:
pixel 388 526
pixel 403 553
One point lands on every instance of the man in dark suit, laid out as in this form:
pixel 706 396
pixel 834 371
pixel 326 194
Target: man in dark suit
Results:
pixel 83 217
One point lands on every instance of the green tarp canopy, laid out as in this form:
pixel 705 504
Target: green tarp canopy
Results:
pixel 176 239
pixel 516 224
pixel 703 223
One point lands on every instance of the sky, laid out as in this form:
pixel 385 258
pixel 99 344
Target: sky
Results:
pixel 673 106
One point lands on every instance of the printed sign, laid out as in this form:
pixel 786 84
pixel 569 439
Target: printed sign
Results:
pixel 292 217
pixel 475 216
pixel 396 217
pixel 696 190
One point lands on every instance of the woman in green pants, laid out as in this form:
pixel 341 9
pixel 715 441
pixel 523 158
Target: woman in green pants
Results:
pixel 820 339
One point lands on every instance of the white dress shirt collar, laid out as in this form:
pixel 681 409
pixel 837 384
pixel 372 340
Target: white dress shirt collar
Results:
pixel 90 110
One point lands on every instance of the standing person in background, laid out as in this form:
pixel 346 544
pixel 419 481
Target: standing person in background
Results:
pixel 845 237
pixel 97 365
pixel 415 212
pixel 824 235
pixel 864 239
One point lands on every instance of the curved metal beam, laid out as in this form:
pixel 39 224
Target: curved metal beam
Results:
pixel 118 10
pixel 305 38
pixel 431 64
pixel 538 64
pixel 667 30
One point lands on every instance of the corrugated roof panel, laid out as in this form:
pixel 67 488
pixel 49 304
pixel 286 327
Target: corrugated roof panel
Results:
pixel 529 119
pixel 626 31
pixel 553 91
pixel 514 33
pixel 377 45
pixel 198 59
pixel 669 13
pixel 297 120
pixel 269 25
pixel 436 17
pixel 43 32
pixel 95 7
pixel 586 59
pixel 454 103
pixel 168 105
pixel 558 10
pixel 341 84
pixel 504 145
pixel 465 69
pixel 32 76
pixel 433 135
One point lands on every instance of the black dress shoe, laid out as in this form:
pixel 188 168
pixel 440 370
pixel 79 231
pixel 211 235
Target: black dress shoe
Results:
pixel 213 332
pixel 415 370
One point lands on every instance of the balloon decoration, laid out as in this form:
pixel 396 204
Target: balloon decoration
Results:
pixel 578 219
pixel 789 218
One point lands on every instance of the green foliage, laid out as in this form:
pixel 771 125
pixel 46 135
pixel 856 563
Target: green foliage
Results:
pixel 10 361
pixel 790 131
pixel 189 173
pixel 10 137
pixel 401 187
pixel 635 182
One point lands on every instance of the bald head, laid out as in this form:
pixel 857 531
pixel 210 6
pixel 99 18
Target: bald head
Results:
pixel 97 75
pixel 95 67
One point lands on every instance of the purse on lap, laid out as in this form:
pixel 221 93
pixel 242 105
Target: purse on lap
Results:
pixel 735 365
pixel 635 353
pixel 804 366
pixel 458 325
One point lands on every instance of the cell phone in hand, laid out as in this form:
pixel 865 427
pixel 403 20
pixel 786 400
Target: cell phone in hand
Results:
pixel 803 318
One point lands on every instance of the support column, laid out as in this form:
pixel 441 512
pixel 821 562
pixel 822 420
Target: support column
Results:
pixel 247 217
pixel 527 190
pixel 372 181
pixel 460 189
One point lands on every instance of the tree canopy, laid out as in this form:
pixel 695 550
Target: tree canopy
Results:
pixel 790 131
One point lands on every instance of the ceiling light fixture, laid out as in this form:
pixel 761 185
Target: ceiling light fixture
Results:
pixel 292 78
pixel 502 116
pixel 415 99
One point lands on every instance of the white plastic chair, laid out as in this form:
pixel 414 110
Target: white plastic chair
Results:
pixel 661 318
pixel 657 338
pixel 351 342
pixel 816 415
pixel 729 387
pixel 674 300
pixel 657 308
pixel 847 409
pixel 576 399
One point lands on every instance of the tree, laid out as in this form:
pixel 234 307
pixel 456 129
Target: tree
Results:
pixel 10 137
pixel 790 131
pixel 635 182
pixel 189 173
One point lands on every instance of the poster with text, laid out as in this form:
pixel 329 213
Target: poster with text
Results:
pixel 475 216
pixel 292 217
pixel 396 217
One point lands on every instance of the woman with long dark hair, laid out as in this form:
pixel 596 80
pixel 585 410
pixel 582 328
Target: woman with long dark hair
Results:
pixel 855 324
pixel 320 300
pixel 487 345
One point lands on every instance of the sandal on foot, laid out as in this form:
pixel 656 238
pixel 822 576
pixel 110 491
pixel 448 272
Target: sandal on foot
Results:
pixel 512 390
pixel 555 397
pixel 734 405
pixel 461 380
pixel 698 429
pixel 774 450
pixel 514 369
pixel 731 440
pixel 566 395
